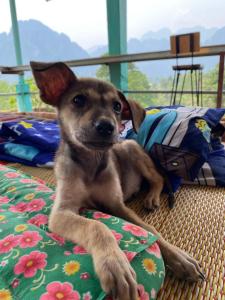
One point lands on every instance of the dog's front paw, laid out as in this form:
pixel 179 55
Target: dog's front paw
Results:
pixel 152 200
pixel 183 265
pixel 116 275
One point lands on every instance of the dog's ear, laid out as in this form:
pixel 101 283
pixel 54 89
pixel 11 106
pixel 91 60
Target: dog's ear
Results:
pixel 132 111
pixel 52 79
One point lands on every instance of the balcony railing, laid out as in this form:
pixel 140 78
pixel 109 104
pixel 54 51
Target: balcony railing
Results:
pixel 218 50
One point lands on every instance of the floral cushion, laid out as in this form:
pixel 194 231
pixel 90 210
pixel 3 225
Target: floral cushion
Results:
pixel 38 264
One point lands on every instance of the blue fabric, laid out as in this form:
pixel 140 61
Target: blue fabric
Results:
pixel 213 172
pixel 212 115
pixel 161 129
pixel 30 142
pixel 21 151
pixel 216 161
pixel 186 129
pixel 146 126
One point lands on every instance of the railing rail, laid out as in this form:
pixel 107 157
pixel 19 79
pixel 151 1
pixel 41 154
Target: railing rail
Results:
pixel 157 55
pixel 217 50
pixel 133 92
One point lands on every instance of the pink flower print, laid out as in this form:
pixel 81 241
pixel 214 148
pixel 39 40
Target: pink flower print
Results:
pixel 29 264
pixel 100 215
pixel 117 235
pixel 11 175
pixel 29 239
pixel 87 296
pixel 4 263
pixel 79 250
pixel 4 199
pixel 38 220
pixel 153 293
pixel 130 255
pixel 143 295
pixel 143 242
pixel 27 180
pixel 85 276
pixel 43 188
pixel 57 290
pixel 2 167
pixel 154 249
pixel 8 243
pixel 15 283
pixel 135 230
pixel 20 207
pixel 67 253
pixel 52 197
pixel 36 204
pixel 60 240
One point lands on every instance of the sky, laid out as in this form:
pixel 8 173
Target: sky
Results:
pixel 84 21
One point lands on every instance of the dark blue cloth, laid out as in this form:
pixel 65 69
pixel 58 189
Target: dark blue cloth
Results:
pixel 30 142
pixel 185 135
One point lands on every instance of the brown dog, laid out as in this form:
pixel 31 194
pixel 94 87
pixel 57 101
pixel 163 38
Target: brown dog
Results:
pixel 94 170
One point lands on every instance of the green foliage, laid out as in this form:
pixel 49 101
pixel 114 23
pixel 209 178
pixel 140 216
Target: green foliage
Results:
pixel 7 103
pixel 209 83
pixel 137 81
pixel 37 103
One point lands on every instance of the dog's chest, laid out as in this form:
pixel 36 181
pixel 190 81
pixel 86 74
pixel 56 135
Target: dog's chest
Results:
pixel 104 188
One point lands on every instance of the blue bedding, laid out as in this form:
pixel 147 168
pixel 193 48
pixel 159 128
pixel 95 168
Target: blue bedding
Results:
pixel 30 142
pixel 177 138
pixel 179 141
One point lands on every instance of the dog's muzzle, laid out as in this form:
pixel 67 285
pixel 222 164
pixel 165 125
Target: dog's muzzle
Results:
pixel 104 128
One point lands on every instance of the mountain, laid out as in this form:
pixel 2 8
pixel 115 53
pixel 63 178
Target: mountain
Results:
pixel 39 42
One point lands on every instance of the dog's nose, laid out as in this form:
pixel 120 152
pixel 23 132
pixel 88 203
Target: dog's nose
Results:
pixel 104 128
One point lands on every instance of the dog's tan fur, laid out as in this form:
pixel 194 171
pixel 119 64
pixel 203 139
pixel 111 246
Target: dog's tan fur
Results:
pixel 101 173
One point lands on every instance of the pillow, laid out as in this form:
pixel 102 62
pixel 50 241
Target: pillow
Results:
pixel 177 138
pixel 38 264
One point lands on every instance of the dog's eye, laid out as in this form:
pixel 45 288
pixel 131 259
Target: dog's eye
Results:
pixel 117 107
pixel 79 100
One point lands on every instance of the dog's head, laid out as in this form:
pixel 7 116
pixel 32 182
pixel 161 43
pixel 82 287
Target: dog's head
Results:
pixel 90 110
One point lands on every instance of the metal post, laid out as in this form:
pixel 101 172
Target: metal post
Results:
pixel 117 40
pixel 23 99
pixel 220 81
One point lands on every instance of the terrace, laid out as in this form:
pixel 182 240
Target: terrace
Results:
pixel 196 223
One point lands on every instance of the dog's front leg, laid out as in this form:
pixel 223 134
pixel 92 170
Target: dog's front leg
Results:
pixel 181 263
pixel 144 166
pixel 111 265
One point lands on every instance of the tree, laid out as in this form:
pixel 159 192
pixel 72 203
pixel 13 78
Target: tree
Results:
pixel 137 81
pixel 7 103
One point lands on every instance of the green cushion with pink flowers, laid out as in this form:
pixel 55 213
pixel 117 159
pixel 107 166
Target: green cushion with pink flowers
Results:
pixel 37 264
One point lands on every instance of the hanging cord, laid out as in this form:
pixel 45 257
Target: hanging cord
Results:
pixel 192 63
pixel 175 83
pixel 182 89
pixel 196 86
pixel 173 87
pixel 192 88
pixel 175 93
pixel 201 73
